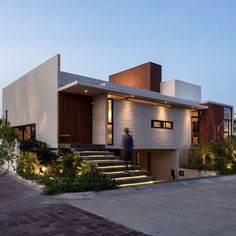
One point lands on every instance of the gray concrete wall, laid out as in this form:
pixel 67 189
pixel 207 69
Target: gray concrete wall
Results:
pixel 99 119
pixel 181 89
pixel 33 99
pixel 192 173
pixel 137 117
pixel 162 163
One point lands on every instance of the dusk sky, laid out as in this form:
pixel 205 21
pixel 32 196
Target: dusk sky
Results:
pixel 194 40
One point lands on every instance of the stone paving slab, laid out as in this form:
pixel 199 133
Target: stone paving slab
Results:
pixel 59 219
pixel 24 211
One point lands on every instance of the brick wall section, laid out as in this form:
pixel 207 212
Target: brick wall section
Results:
pixel 146 76
pixel 212 123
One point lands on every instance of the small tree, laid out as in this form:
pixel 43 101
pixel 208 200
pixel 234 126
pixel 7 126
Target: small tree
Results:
pixel 7 144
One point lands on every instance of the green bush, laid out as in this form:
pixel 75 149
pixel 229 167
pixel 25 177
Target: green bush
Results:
pixel 7 144
pixel 69 174
pixel 42 150
pixel 26 145
pixel 94 181
pixel 70 164
pixel 28 165
pixel 215 156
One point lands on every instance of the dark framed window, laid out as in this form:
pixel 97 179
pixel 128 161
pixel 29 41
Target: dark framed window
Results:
pixel 110 121
pixel 161 124
pixel 6 116
pixel 195 127
pixel 228 122
pixel 26 132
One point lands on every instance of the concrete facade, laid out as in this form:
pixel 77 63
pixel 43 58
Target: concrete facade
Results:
pixel 33 99
pixel 99 119
pixel 138 118
pixel 181 89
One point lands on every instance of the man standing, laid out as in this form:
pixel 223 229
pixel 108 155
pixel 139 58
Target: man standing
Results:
pixel 127 145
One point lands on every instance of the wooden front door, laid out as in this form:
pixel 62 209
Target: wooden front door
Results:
pixel 75 118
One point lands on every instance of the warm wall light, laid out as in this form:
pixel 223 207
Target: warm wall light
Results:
pixel 85 90
pixel 229 166
pixel 44 169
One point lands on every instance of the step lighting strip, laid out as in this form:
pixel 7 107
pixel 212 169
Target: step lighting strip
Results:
pixel 131 177
pixel 136 184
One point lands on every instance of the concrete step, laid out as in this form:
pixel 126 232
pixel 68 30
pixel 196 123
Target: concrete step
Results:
pixel 117 174
pixel 100 157
pixel 111 166
pixel 137 184
pixel 94 153
pixel 88 147
pixel 134 179
pixel 117 168
pixel 107 162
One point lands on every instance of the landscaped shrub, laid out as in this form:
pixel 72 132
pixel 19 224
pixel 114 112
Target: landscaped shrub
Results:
pixel 7 144
pixel 213 155
pixel 94 181
pixel 44 153
pixel 70 173
pixel 26 145
pixel 70 164
pixel 28 165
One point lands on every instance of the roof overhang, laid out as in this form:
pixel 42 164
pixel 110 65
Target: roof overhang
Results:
pixel 103 87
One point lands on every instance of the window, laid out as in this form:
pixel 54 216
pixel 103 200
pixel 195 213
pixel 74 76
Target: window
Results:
pixel 110 121
pixel 26 132
pixel 227 121
pixel 161 124
pixel 195 127
pixel 6 116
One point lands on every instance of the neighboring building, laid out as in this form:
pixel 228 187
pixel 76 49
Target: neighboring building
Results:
pixel 234 123
pixel 164 118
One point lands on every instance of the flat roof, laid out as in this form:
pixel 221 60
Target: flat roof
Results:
pixel 82 83
pixel 217 103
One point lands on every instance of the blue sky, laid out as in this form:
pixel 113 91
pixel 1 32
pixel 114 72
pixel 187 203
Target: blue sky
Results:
pixel 194 40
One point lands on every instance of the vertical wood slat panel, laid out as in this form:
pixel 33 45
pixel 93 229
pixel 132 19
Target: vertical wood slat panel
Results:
pixel 75 118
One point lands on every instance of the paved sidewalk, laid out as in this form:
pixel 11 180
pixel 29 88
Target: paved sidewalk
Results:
pixel 24 211
pixel 201 207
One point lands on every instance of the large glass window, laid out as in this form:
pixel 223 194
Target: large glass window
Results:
pixel 110 122
pixel 227 121
pixel 195 127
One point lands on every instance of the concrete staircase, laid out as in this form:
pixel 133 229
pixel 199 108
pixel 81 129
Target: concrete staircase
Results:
pixel 112 166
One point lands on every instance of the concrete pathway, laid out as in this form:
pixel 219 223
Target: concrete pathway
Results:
pixel 24 211
pixel 193 208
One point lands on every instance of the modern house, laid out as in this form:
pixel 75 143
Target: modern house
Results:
pixel 164 118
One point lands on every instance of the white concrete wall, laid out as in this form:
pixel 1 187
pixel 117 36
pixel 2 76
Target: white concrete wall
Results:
pixel 191 173
pixel 99 119
pixel 181 89
pixel 33 99
pixel 137 117
pixel 168 88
